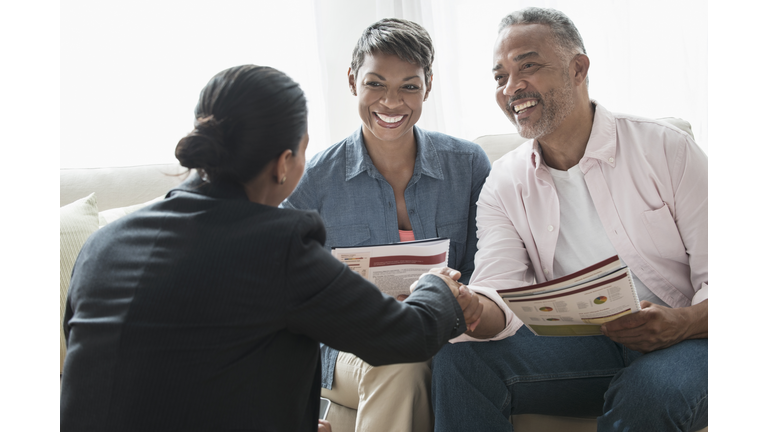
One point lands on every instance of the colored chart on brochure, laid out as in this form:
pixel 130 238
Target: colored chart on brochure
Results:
pixel 576 304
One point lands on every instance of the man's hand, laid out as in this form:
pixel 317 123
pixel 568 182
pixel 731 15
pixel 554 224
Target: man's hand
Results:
pixel 468 300
pixel 655 327
pixel 323 426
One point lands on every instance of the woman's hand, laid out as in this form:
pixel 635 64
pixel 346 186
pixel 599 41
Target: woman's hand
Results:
pixel 323 426
pixel 468 300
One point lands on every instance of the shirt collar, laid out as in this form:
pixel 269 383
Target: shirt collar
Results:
pixel 601 144
pixel 602 139
pixel 427 161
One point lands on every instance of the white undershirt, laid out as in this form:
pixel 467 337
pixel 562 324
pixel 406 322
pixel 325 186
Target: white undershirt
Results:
pixel 580 225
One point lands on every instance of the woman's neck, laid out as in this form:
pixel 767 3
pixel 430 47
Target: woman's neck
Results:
pixel 391 156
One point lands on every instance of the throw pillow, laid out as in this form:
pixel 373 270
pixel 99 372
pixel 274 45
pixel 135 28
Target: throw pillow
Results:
pixel 78 221
pixel 112 215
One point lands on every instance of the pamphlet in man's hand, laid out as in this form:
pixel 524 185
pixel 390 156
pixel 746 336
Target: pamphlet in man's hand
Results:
pixel 577 304
pixel 394 267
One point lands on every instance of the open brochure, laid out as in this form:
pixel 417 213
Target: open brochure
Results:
pixel 394 267
pixel 577 304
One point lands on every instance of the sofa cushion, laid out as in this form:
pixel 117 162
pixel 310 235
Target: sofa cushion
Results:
pixel 77 222
pixel 114 214
pixel 119 186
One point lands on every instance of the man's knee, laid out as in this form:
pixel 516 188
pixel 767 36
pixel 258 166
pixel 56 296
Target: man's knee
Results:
pixel 660 385
pixel 450 357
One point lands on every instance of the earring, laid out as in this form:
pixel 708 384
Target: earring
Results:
pixel 282 181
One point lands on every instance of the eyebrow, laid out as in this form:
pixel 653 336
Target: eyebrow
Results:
pixel 384 79
pixel 524 56
pixel 517 59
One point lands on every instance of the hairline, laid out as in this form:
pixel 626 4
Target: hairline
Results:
pixel 370 46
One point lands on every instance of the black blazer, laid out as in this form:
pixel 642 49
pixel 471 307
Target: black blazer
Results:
pixel 204 311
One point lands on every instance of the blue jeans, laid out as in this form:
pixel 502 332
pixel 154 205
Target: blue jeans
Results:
pixel 476 386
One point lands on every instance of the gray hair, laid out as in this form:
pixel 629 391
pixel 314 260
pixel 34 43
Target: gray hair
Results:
pixel 405 39
pixel 565 33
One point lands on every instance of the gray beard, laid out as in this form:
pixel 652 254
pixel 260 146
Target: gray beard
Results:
pixel 556 105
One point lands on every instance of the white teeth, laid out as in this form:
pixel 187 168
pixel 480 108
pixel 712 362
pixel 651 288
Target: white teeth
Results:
pixel 523 106
pixel 389 119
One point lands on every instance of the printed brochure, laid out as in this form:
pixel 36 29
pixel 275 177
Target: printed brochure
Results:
pixel 577 304
pixel 394 267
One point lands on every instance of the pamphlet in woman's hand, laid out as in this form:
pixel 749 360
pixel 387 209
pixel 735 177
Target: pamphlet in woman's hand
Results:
pixel 394 267
pixel 577 304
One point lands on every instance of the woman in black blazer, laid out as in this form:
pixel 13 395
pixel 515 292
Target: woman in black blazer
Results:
pixel 204 311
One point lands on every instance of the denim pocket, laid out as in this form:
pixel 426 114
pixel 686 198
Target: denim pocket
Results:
pixel 457 232
pixel 349 235
pixel 663 232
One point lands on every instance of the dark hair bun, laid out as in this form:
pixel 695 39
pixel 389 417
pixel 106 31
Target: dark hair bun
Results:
pixel 203 147
pixel 246 116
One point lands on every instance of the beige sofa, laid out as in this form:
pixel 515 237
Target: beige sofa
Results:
pixel 90 198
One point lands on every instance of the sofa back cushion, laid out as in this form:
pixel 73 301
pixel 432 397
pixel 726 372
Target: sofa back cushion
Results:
pixel 121 186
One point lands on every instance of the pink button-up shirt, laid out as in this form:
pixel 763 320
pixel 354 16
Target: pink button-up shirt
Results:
pixel 648 181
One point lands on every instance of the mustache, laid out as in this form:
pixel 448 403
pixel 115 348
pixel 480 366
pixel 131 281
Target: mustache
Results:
pixel 517 97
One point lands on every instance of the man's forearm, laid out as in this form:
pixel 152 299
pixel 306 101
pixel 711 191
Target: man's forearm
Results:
pixel 492 321
pixel 698 318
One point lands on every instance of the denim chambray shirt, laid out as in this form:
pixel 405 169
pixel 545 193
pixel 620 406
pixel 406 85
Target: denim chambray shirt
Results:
pixel 358 205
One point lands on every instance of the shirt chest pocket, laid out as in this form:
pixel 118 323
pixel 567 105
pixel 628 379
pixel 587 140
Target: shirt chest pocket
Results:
pixel 348 235
pixel 663 232
pixel 457 232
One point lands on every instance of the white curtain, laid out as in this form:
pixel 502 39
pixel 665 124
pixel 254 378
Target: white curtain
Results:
pixel 131 72
pixel 648 58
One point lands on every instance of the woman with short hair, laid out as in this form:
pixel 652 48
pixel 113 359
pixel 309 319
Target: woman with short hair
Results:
pixel 391 181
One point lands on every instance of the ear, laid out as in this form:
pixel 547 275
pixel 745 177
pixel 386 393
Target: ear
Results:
pixel 429 87
pixel 351 79
pixel 580 65
pixel 280 166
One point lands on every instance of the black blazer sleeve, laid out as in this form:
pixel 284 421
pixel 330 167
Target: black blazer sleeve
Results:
pixel 336 306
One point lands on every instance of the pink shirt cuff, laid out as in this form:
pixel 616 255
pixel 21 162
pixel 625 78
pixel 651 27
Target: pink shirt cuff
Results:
pixel 701 294
pixel 513 322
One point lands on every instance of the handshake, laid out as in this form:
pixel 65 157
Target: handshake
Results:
pixel 468 300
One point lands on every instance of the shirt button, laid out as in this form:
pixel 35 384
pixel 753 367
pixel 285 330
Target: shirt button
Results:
pixel 546 272
pixel 610 160
pixel 550 228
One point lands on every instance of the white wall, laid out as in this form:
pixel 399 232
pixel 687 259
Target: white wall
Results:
pixel 131 72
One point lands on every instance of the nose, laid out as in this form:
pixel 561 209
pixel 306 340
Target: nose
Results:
pixel 391 98
pixel 514 85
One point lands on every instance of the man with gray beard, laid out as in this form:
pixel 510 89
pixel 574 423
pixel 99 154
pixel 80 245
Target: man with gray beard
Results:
pixel 590 184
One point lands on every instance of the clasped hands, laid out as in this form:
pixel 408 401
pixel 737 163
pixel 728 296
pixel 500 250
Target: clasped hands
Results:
pixel 468 300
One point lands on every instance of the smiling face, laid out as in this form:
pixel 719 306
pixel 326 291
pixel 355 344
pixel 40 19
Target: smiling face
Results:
pixel 534 88
pixel 390 94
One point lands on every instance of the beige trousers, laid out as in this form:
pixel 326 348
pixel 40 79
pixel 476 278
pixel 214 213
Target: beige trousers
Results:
pixel 393 398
